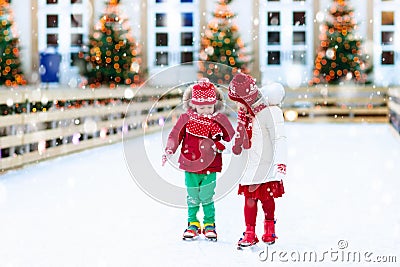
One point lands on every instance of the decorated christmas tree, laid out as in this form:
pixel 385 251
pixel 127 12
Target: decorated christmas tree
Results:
pixel 113 54
pixel 339 57
pixel 10 64
pixel 221 43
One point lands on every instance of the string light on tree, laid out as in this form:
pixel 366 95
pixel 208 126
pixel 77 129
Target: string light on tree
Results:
pixel 221 43
pixel 10 64
pixel 340 56
pixel 113 54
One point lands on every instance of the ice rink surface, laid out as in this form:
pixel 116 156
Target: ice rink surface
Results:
pixel 341 208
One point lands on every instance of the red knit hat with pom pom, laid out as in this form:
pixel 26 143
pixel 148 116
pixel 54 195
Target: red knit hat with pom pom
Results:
pixel 203 93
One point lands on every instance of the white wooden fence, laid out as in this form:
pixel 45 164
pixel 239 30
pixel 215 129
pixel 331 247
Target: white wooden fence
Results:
pixel 394 108
pixel 337 104
pixel 79 119
pixel 95 118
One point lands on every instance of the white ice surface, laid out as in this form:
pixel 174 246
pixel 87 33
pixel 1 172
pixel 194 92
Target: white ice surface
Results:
pixel 85 209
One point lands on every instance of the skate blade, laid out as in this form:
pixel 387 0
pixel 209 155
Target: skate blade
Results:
pixel 269 243
pixel 211 239
pixel 210 235
pixel 187 238
pixel 245 247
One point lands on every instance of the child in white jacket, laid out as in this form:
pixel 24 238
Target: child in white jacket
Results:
pixel 260 130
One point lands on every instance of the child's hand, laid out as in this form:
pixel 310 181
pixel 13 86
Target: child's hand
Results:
pixel 239 139
pixel 218 147
pixel 164 158
pixel 281 168
pixel 280 171
pixel 237 149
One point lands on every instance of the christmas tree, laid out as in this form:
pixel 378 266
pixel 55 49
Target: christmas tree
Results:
pixel 10 64
pixel 339 57
pixel 113 54
pixel 221 43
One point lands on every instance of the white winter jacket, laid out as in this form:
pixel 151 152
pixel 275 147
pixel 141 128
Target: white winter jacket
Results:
pixel 268 148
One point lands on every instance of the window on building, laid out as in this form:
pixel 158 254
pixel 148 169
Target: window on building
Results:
pixel 387 18
pixel 274 58
pixel 52 21
pixel 76 21
pixel 387 38
pixel 76 39
pixel 187 38
pixel 187 19
pixel 161 39
pixel 161 20
pixel 59 24
pixel 75 59
pixel 274 38
pixel 299 57
pixel 274 18
pixel 186 57
pixel 161 58
pixel 299 18
pixel 171 41
pixel 387 58
pixel 52 39
pixel 299 38
pixel 286 38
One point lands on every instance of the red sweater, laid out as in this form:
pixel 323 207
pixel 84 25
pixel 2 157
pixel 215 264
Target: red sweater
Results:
pixel 197 153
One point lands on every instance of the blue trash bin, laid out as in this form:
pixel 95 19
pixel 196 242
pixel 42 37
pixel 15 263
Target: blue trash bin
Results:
pixel 49 67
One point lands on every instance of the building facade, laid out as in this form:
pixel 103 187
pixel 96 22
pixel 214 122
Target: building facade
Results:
pixel 281 35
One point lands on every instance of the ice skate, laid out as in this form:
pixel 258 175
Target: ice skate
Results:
pixel 249 238
pixel 269 232
pixel 209 232
pixel 192 232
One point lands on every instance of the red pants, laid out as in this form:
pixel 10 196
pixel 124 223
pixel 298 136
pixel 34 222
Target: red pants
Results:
pixel 250 210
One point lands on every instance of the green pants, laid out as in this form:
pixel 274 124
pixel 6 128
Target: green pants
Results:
pixel 200 189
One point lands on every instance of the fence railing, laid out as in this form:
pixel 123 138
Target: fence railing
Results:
pixel 337 104
pixel 394 108
pixel 38 124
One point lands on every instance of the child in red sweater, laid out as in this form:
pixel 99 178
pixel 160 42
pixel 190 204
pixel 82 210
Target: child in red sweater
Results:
pixel 200 131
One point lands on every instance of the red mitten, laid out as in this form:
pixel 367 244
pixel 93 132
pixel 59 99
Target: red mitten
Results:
pixel 236 149
pixel 219 147
pixel 280 171
pixel 225 125
pixel 281 168
pixel 240 135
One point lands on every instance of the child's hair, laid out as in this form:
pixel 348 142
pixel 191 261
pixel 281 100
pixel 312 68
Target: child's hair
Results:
pixel 187 97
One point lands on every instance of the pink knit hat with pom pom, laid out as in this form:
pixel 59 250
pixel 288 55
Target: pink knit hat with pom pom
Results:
pixel 243 89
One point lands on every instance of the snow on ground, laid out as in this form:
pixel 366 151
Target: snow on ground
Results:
pixel 85 209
